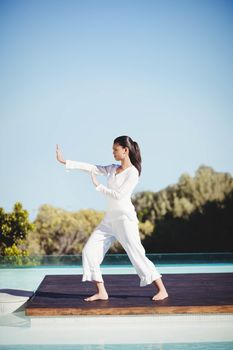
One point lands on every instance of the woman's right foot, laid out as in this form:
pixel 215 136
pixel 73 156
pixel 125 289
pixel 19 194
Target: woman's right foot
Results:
pixel 97 296
pixel 160 295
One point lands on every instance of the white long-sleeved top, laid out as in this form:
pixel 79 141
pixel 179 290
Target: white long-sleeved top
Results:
pixel 119 186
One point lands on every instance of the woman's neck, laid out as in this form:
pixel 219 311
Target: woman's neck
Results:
pixel 125 163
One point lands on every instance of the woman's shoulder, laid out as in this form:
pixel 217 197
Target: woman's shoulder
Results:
pixel 132 170
pixel 135 170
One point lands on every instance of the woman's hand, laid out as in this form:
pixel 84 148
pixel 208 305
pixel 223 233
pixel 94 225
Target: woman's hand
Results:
pixel 59 155
pixel 93 176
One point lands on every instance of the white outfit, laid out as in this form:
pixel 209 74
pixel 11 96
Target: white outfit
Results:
pixel 119 223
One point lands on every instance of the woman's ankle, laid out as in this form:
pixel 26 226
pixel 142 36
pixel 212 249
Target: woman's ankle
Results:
pixel 101 288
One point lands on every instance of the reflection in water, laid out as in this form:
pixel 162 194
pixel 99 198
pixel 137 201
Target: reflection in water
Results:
pixel 15 319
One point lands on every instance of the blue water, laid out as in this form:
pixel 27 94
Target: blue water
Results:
pixel 29 278
pixel 170 346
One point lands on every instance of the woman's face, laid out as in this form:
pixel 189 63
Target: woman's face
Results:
pixel 119 152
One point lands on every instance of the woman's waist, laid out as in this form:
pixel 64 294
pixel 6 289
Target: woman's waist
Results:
pixel 113 214
pixel 124 203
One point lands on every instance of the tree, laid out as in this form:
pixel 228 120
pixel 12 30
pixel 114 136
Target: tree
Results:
pixel 14 228
pixel 58 231
pixel 193 215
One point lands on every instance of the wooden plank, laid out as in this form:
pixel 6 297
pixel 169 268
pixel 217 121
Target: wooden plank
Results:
pixel 188 293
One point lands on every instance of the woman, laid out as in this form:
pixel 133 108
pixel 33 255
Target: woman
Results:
pixel 120 221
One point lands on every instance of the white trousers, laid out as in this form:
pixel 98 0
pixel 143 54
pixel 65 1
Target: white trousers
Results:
pixel 125 231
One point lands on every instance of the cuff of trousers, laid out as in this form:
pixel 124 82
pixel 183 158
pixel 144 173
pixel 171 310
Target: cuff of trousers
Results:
pixel 145 280
pixel 92 277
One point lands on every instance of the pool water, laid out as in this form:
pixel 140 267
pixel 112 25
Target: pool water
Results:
pixel 30 278
pixel 178 346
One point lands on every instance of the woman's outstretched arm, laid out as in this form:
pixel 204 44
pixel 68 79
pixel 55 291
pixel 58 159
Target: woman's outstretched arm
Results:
pixel 87 167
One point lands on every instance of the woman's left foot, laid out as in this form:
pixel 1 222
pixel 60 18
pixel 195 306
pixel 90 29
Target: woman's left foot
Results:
pixel 160 295
pixel 97 296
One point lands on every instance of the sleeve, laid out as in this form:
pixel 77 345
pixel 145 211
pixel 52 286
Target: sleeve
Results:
pixel 87 167
pixel 125 189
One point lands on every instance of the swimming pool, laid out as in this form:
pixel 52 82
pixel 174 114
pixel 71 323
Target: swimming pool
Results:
pixel 30 277
pixel 156 331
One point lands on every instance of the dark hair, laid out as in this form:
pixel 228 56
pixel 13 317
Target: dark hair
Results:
pixel 134 150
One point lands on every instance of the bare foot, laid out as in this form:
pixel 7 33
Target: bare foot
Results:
pixel 160 295
pixel 97 296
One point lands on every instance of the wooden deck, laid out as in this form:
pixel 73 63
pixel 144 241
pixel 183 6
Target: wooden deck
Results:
pixel 188 293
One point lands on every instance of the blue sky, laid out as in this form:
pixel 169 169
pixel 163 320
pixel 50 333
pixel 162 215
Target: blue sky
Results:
pixel 80 73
